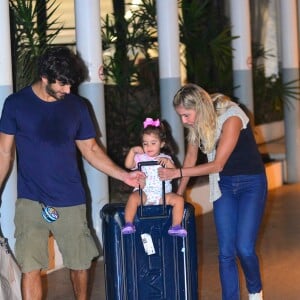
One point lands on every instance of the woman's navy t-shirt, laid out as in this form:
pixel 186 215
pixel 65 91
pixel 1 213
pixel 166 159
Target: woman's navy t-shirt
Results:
pixel 45 135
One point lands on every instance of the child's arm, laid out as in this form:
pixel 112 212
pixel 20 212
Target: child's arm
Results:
pixel 129 160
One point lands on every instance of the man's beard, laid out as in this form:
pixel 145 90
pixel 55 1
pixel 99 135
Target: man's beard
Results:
pixel 52 93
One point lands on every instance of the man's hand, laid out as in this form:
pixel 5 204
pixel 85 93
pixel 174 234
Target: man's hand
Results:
pixel 135 179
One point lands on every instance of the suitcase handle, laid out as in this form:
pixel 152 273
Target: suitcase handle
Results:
pixel 152 163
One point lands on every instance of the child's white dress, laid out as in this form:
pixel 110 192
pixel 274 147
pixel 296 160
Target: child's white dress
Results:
pixel 153 187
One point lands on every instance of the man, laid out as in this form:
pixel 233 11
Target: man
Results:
pixel 48 123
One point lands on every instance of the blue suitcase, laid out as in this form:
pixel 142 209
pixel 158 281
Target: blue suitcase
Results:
pixel 149 264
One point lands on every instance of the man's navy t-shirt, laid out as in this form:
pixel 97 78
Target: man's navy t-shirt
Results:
pixel 45 135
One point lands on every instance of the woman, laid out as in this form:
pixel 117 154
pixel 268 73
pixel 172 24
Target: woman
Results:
pixel 238 184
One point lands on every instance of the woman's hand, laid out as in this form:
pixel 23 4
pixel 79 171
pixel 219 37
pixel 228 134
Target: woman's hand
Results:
pixel 168 173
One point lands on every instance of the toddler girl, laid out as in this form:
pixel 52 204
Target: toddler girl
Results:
pixel 154 140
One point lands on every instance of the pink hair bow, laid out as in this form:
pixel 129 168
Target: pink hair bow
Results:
pixel 151 122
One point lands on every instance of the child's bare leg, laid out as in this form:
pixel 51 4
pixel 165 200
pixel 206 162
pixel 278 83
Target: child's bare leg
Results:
pixel 131 206
pixel 177 214
pixel 178 207
pixel 130 211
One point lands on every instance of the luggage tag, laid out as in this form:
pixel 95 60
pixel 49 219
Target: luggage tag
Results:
pixel 148 243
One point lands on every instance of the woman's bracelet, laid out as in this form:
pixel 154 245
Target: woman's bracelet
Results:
pixel 180 170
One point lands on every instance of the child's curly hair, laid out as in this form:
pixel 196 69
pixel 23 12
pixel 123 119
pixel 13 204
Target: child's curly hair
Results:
pixel 162 130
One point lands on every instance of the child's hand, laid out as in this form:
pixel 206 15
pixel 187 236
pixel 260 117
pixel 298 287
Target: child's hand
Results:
pixel 137 150
pixel 165 162
pixel 129 160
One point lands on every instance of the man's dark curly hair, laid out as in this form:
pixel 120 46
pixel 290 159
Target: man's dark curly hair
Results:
pixel 59 63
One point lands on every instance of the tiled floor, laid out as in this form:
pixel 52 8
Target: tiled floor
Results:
pixel 278 249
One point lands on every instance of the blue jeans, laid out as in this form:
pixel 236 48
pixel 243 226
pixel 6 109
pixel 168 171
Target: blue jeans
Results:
pixel 238 214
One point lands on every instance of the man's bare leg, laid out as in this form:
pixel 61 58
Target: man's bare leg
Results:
pixel 79 280
pixel 31 285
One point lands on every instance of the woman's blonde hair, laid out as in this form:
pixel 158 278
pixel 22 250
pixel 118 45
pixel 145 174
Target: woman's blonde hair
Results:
pixel 207 109
pixel 221 103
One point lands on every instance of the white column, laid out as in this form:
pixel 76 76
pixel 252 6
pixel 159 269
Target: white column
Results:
pixel 242 57
pixel 169 66
pixel 9 194
pixel 88 41
pixel 271 40
pixel 290 71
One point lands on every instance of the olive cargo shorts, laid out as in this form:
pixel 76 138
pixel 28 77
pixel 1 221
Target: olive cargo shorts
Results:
pixel 70 231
